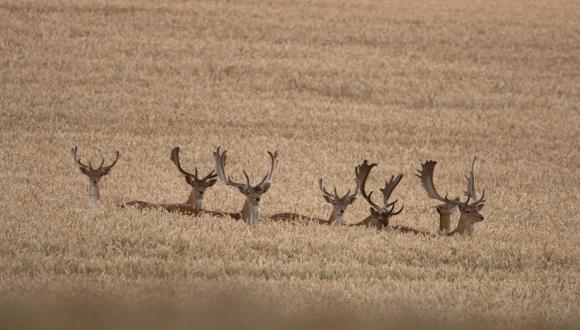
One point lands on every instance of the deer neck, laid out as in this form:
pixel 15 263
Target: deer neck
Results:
pixel 464 226
pixel 336 218
pixel 94 192
pixel 445 222
pixel 195 199
pixel 250 212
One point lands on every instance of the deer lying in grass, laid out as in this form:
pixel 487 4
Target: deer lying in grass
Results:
pixel 193 205
pixel 380 215
pixel 94 175
pixel 339 205
pixel 251 209
pixel 469 212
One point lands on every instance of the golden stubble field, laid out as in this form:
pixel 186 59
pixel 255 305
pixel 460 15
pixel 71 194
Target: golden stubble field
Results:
pixel 327 83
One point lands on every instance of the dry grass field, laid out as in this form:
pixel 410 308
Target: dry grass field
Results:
pixel 327 84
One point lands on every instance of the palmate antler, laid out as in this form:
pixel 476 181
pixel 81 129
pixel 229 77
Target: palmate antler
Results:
pixel 175 158
pixel 425 174
pixel 362 173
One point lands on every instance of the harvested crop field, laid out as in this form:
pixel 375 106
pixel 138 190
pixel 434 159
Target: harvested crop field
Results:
pixel 327 84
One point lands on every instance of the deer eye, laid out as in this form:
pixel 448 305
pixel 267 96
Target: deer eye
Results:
pixel 467 211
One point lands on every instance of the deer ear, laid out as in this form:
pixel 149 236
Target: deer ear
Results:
pixel 328 199
pixel 211 182
pixel 480 206
pixel 265 187
pixel 189 180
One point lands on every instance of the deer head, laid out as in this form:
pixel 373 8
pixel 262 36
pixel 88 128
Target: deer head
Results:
pixel 94 174
pixel 339 204
pixel 470 212
pixel 253 193
pixel 198 184
pixel 381 213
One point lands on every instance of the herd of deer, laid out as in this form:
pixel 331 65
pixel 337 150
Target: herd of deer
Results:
pixel 379 214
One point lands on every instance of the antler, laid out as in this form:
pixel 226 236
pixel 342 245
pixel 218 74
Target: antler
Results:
pixel 175 159
pixel 334 197
pixel 267 180
pixel 325 193
pixel 388 190
pixel 470 193
pixel 219 162
pixel 102 170
pixel 348 195
pixel 362 172
pixel 106 169
pixel 77 161
pixel 425 174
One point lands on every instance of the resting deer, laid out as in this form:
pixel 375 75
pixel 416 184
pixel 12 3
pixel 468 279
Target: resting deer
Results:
pixel 251 210
pixel 94 175
pixel 380 215
pixel 339 205
pixel 193 205
pixel 470 212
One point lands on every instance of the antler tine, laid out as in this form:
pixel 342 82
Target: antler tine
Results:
pixel 481 199
pixel 399 211
pixel 345 195
pixel 323 190
pixel 175 160
pixel 392 203
pixel 389 188
pixel 247 178
pixel 362 173
pixel 101 165
pixel 425 174
pixel 73 152
pixel 106 169
pixel 211 175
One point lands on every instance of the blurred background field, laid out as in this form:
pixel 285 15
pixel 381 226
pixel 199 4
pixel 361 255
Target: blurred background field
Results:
pixel 327 83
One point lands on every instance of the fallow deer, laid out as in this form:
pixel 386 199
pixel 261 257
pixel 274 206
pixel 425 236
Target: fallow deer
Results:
pixel 94 175
pixel 339 205
pixel 251 209
pixel 469 212
pixel 194 204
pixel 380 215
